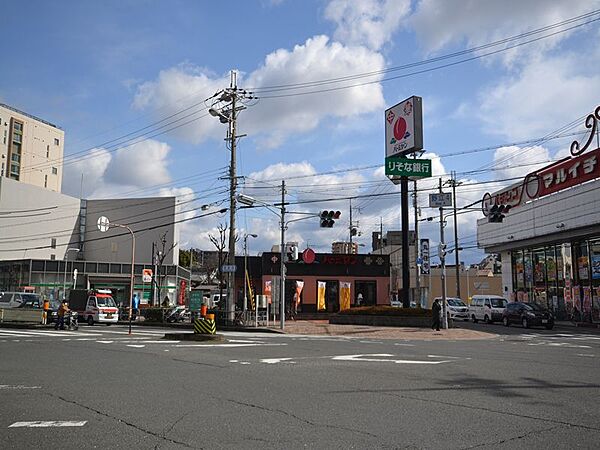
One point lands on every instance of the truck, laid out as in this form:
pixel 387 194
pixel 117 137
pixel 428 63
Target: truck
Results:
pixel 94 306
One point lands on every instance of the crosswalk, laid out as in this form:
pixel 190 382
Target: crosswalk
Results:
pixel 119 336
pixel 562 340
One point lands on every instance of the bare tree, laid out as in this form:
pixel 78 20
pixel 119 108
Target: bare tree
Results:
pixel 220 244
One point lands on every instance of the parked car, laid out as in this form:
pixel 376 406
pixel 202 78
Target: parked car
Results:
pixel 488 308
pixel 20 300
pixel 457 309
pixel 527 314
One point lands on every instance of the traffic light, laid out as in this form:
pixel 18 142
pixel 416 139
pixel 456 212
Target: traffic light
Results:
pixel 293 253
pixel 497 213
pixel 327 218
pixel 442 250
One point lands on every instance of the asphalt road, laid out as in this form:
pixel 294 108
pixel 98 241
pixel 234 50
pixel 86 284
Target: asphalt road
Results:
pixel 525 389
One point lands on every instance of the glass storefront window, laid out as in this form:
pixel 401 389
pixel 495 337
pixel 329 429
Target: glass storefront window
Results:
pixel 583 261
pixel 519 271
pixel 595 266
pixel 528 269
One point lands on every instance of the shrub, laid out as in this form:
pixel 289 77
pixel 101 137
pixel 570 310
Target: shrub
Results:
pixel 384 310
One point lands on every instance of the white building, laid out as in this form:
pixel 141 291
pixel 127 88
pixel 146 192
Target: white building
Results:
pixel 31 149
pixel 549 241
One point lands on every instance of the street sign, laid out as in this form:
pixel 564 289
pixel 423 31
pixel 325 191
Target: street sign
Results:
pixel 147 275
pixel 419 261
pixel 405 167
pixel 195 300
pixel 103 224
pixel 440 200
pixel 228 268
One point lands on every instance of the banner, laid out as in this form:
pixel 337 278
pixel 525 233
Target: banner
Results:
pixel 268 285
pixel 425 256
pixel 344 295
pixel 321 296
pixel 297 295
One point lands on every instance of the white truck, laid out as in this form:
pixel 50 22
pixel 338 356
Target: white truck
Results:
pixel 95 306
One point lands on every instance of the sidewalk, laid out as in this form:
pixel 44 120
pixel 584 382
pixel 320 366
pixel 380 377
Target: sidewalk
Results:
pixel 324 328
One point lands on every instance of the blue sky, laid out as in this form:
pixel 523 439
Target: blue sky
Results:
pixel 102 70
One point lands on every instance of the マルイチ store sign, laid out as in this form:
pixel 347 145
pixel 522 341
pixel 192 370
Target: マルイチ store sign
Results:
pixel 569 173
pixel 557 176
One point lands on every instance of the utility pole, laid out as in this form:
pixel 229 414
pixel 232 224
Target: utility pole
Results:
pixel 153 274
pixel 232 200
pixel 350 227
pixel 452 182
pixel 442 256
pixel 381 235
pixel 282 260
pixel 228 114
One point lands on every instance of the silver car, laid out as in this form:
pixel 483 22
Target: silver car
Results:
pixel 457 309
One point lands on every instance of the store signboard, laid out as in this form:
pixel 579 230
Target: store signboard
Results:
pixel 405 167
pixel 404 127
pixel 561 175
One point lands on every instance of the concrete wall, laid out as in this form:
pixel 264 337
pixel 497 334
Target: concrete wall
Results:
pixel 139 214
pixel 30 217
pixel 40 152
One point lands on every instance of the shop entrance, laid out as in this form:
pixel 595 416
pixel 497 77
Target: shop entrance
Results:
pixel 366 292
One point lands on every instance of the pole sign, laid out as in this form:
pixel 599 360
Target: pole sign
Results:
pixel 440 200
pixel 228 268
pixel 425 256
pixel 404 127
pixel 147 275
pixel 404 167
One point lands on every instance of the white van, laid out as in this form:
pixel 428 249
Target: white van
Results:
pixel 488 308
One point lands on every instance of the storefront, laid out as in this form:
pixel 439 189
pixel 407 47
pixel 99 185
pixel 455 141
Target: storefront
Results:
pixel 52 278
pixel 549 240
pixel 328 283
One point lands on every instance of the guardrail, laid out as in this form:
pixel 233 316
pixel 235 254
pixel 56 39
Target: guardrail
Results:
pixel 21 315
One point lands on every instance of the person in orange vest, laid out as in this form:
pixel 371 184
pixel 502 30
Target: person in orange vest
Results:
pixel 62 310
pixel 46 309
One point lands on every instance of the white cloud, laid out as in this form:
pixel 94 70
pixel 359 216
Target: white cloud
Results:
pixel 442 23
pixel 545 96
pixel 369 23
pixel 180 92
pixel 514 162
pixel 273 120
pixel 126 171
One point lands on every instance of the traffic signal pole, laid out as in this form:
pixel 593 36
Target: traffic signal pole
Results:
pixel 442 256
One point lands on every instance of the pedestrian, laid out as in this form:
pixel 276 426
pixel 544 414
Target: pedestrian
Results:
pixel 46 311
pixel 435 313
pixel 135 302
pixel 62 310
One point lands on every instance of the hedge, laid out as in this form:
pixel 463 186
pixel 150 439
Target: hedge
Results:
pixel 384 310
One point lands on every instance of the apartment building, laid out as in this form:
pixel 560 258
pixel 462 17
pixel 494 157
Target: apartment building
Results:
pixel 31 149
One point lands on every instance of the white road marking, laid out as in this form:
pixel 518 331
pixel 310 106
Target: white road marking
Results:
pixel 17 387
pixel 134 332
pixel 242 341
pixel 586 355
pixel 404 345
pixel 366 358
pixel 228 345
pixel 244 362
pixel 105 342
pixel 274 360
pixel 45 424
pixel 135 346
pixel 446 357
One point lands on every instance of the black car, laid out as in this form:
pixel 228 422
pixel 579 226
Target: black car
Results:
pixel 527 314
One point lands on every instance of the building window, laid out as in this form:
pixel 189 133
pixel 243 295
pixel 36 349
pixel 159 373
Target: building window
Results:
pixel 56 141
pixel 53 243
pixel 47 151
pixel 45 181
pixel 52 257
pixel 54 171
pixel 18 126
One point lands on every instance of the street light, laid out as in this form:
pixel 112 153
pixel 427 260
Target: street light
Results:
pixel 246 236
pixel 103 226
pixel 250 201
pixel 65 276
